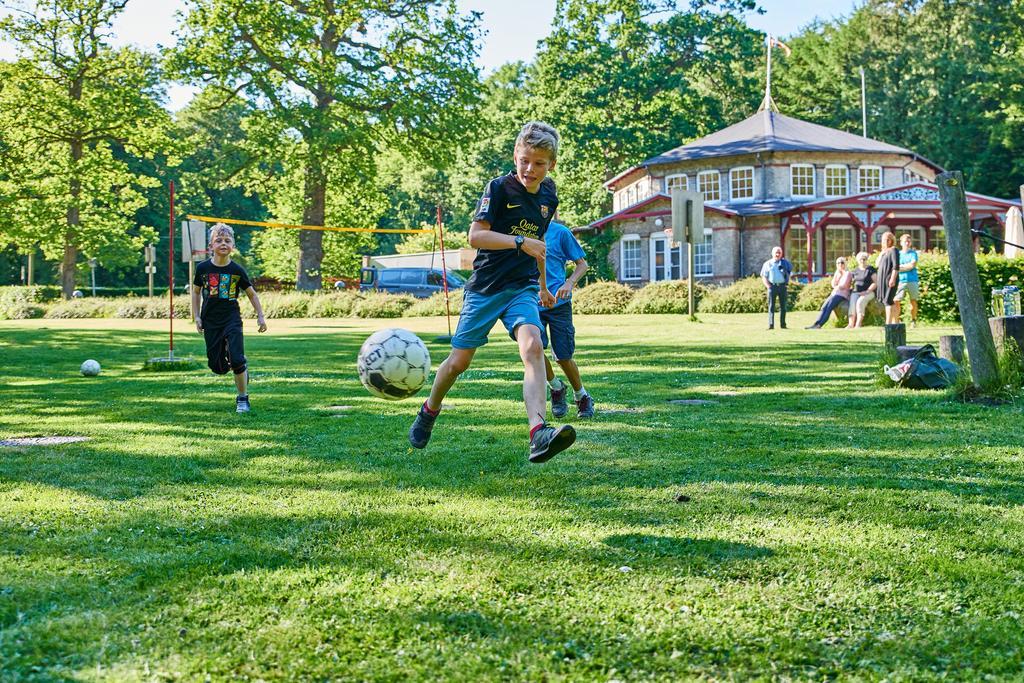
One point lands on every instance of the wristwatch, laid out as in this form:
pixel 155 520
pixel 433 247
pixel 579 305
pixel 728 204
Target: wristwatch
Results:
pixel 519 244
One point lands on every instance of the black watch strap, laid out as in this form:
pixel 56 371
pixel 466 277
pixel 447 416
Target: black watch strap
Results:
pixel 519 244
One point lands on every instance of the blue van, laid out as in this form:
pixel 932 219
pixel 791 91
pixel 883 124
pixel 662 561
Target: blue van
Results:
pixel 420 282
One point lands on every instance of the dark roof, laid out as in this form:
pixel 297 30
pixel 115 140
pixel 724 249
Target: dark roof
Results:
pixel 768 131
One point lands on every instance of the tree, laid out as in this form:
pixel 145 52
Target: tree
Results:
pixel 333 80
pixel 68 100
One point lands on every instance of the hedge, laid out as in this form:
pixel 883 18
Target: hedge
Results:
pixel 938 300
pixel 668 296
pixel 602 297
pixel 743 296
pixel 434 305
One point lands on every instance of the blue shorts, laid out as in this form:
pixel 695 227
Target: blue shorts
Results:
pixel 563 334
pixel 514 307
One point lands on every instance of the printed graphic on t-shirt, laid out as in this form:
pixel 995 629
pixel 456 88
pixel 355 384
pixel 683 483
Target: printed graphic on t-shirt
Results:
pixel 222 286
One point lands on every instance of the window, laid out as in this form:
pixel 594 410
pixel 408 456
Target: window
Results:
pixel 676 181
pixel 741 184
pixel 795 247
pixel 938 238
pixel 869 178
pixel 631 195
pixel 839 241
pixel 837 181
pixel 703 256
pixel 709 184
pixel 801 180
pixel 390 276
pixel 666 262
pixel 911 177
pixel 630 252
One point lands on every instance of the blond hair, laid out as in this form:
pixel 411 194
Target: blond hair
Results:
pixel 888 240
pixel 219 228
pixel 539 135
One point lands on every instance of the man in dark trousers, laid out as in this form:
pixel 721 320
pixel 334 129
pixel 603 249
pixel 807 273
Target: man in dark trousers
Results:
pixel 775 274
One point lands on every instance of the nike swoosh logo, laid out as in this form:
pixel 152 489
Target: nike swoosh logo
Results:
pixel 512 206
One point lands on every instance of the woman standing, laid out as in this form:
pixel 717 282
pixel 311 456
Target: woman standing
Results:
pixel 888 277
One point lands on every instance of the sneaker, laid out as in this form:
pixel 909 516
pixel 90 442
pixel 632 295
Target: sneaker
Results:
pixel 771 327
pixel 419 433
pixel 559 407
pixel 585 406
pixel 242 404
pixel 549 441
pixel 815 326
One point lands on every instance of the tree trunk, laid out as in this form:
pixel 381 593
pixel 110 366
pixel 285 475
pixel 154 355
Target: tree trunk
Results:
pixel 311 242
pixel 67 266
pixel 980 348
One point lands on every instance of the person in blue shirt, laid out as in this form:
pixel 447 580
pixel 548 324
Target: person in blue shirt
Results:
pixel 775 274
pixel 910 281
pixel 556 320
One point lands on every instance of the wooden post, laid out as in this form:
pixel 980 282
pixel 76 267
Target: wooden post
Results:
pixel 1004 327
pixel 895 335
pixel 964 269
pixel 951 347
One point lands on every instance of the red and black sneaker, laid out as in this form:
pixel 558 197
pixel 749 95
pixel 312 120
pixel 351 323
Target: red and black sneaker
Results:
pixel 547 442
pixel 585 406
pixel 419 433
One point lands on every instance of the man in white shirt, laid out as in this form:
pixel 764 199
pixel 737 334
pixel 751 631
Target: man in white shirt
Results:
pixel 775 274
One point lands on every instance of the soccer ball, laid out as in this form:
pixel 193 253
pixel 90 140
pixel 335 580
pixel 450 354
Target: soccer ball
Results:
pixel 393 364
pixel 90 368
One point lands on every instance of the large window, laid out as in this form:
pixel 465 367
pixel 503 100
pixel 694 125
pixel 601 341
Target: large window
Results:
pixel 676 181
pixel 839 241
pixel 837 181
pixel 795 248
pixel 801 180
pixel 630 253
pixel 703 256
pixel 666 262
pixel 709 183
pixel 869 178
pixel 938 238
pixel 631 195
pixel 741 184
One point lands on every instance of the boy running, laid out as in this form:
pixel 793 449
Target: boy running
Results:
pixel 219 320
pixel 556 320
pixel 507 284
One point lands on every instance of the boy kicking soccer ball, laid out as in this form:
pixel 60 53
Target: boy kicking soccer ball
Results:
pixel 218 280
pixel 508 284
pixel 557 320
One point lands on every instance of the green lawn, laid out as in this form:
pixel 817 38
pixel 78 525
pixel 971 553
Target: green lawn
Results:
pixel 833 529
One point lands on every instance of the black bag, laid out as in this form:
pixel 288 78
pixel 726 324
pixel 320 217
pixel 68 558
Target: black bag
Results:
pixel 928 371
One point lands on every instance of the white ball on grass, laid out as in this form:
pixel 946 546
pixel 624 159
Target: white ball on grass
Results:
pixel 90 368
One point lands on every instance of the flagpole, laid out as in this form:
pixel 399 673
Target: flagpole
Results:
pixel 768 75
pixel 863 104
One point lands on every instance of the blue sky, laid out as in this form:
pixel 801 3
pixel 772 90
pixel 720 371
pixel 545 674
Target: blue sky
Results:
pixel 513 28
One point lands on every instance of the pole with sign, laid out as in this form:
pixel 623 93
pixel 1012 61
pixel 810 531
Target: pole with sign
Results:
pixel 193 246
pixel 151 265
pixel 687 225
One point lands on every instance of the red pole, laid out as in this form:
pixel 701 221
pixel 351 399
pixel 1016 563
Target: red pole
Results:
pixel 444 267
pixel 170 267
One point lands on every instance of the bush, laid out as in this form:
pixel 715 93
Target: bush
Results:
pixel 333 304
pixel 812 296
pixel 291 304
pixel 744 296
pixel 380 305
pixel 434 305
pixel 602 297
pixel 81 308
pixel 668 296
pixel 938 299
pixel 19 303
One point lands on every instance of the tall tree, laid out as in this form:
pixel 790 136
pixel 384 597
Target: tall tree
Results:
pixel 336 79
pixel 68 100
pixel 623 80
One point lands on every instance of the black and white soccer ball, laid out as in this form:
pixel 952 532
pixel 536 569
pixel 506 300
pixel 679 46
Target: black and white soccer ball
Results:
pixel 393 364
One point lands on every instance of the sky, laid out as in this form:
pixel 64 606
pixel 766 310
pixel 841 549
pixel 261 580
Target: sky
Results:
pixel 512 28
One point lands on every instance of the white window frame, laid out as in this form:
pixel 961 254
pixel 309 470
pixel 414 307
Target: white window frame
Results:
pixel 814 180
pixel 631 238
pixel 705 248
pixel 834 167
pixel 670 178
pixel 662 240
pixel 630 195
pixel 732 185
pixel 708 174
pixel 860 178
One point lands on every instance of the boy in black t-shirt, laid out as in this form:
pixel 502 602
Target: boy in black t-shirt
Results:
pixel 219 280
pixel 508 284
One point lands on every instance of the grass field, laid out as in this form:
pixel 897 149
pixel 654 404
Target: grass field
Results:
pixel 824 528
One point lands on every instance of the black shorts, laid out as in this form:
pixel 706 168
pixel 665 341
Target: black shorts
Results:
pixel 563 335
pixel 225 349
